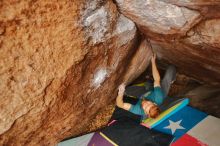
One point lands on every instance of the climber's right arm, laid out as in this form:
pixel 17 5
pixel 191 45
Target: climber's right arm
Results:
pixel 119 100
pixel 155 71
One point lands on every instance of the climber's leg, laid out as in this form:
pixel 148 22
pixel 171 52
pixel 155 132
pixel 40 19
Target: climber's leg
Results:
pixel 168 79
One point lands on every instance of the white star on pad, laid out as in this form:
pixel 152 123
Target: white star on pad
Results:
pixel 174 126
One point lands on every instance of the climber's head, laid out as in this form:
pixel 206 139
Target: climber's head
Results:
pixel 150 108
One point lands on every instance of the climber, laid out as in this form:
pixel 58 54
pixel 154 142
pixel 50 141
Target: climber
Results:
pixel 147 105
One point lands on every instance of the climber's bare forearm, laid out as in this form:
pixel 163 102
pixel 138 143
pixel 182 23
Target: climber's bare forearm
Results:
pixel 119 101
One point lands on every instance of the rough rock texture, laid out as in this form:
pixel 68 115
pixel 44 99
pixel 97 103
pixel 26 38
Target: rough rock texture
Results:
pixel 59 63
pixel 184 33
pixel 158 16
pixel 139 62
pixel 207 8
pixel 205 98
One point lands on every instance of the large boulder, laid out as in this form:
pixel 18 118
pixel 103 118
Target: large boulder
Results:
pixel 184 33
pixel 139 62
pixel 158 16
pixel 207 8
pixel 60 62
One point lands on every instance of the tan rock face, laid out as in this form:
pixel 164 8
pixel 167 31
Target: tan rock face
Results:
pixel 59 63
pixel 208 9
pixel 158 16
pixel 180 33
pixel 139 62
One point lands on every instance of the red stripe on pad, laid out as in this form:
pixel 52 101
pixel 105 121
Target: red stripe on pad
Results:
pixel 187 140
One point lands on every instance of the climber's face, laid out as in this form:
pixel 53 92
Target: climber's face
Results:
pixel 147 105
